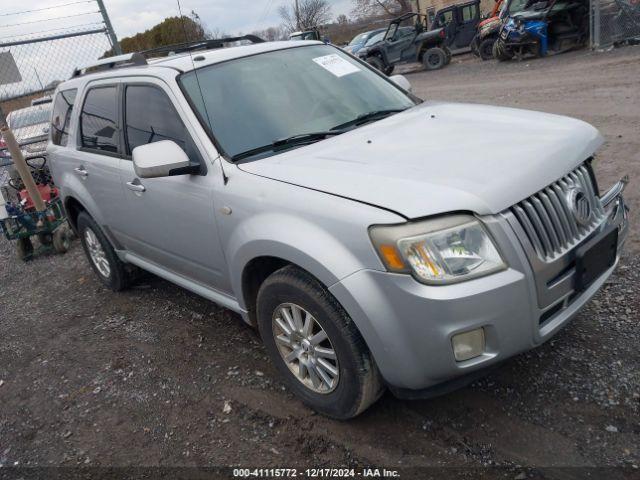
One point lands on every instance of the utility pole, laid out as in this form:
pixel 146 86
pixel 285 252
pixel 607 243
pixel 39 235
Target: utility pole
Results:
pixel 298 16
pixel 112 35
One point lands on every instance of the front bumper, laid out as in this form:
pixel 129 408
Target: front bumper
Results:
pixel 409 326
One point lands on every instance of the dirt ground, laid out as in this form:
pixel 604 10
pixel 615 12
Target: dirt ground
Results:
pixel 156 376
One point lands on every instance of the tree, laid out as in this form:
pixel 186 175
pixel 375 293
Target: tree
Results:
pixel 342 19
pixel 310 14
pixel 168 32
pixel 367 8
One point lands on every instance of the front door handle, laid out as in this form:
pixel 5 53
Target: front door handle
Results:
pixel 81 171
pixel 135 187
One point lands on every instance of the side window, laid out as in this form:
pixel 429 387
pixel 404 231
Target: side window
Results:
pixel 469 13
pixel 99 120
pixel 444 18
pixel 431 15
pixel 151 117
pixel 62 108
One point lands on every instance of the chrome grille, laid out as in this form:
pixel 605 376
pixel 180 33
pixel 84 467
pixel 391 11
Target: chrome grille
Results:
pixel 554 218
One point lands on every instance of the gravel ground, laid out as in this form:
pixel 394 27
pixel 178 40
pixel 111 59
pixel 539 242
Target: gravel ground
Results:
pixel 156 376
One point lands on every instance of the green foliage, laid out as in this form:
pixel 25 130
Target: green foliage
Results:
pixel 168 32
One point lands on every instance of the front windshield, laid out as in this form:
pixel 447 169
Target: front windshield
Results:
pixel 25 118
pixel 358 39
pixel 253 101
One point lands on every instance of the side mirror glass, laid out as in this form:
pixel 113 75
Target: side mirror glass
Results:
pixel 402 82
pixel 162 159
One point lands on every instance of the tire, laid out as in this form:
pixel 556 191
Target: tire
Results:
pixel 474 45
pixel 116 276
pixel 24 248
pixel 448 53
pixel 62 239
pixel 485 49
pixel 434 59
pixel 389 70
pixel 45 238
pixel 376 62
pixel 358 383
pixel 500 51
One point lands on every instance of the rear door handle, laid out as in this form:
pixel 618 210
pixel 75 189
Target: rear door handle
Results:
pixel 81 171
pixel 135 187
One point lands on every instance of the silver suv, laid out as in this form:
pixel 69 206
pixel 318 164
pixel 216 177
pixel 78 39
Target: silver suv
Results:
pixel 375 240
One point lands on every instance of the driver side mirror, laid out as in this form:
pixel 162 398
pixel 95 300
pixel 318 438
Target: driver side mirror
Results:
pixel 402 82
pixel 162 159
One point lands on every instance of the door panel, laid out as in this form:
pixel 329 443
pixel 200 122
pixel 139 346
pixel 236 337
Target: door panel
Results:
pixel 172 224
pixel 97 162
pixel 468 17
pixel 169 221
pixel 402 46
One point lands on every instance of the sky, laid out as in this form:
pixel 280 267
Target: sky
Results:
pixel 41 63
pixel 133 16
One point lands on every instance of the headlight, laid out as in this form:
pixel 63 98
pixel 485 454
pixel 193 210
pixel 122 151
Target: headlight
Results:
pixel 438 251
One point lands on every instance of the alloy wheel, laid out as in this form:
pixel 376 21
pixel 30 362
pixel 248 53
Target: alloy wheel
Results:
pixel 96 253
pixel 305 348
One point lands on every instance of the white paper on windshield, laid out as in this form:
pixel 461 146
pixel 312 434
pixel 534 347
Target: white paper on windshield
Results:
pixel 336 64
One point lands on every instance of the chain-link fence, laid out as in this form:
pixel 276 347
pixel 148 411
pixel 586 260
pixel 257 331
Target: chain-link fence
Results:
pixel 614 21
pixel 35 58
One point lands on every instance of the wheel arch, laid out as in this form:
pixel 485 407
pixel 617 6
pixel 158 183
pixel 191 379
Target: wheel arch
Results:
pixel 73 207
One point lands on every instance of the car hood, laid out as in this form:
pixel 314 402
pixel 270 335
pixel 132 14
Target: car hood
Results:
pixel 440 157
pixel 31 132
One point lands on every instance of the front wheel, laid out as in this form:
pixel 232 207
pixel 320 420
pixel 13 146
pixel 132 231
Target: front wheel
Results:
pixel 485 49
pixel 501 52
pixel 377 63
pixel 434 59
pixel 315 345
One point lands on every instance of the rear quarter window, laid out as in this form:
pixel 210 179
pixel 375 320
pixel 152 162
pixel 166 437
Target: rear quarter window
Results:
pixel 61 117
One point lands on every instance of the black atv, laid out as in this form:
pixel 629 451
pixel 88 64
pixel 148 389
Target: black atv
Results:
pixel 402 44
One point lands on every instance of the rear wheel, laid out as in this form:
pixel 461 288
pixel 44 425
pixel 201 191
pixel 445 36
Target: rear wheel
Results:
pixel 448 54
pixel 104 261
pixel 434 59
pixel 24 248
pixel 315 345
pixel 485 49
pixel 376 62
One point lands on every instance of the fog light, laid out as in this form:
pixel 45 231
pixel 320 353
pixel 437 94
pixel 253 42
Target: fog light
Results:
pixel 468 345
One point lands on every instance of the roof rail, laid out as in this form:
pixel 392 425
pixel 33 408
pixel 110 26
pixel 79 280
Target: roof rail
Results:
pixel 199 45
pixel 140 58
pixel 108 63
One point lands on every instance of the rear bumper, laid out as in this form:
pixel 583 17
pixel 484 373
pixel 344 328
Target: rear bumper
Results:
pixel 409 326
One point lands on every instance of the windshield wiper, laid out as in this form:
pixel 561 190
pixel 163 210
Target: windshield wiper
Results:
pixel 368 117
pixel 284 143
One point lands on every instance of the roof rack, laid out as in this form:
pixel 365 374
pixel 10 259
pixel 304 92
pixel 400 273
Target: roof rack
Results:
pixel 199 45
pixel 127 60
pixel 140 58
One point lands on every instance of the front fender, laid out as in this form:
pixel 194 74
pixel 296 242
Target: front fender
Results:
pixel 295 240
